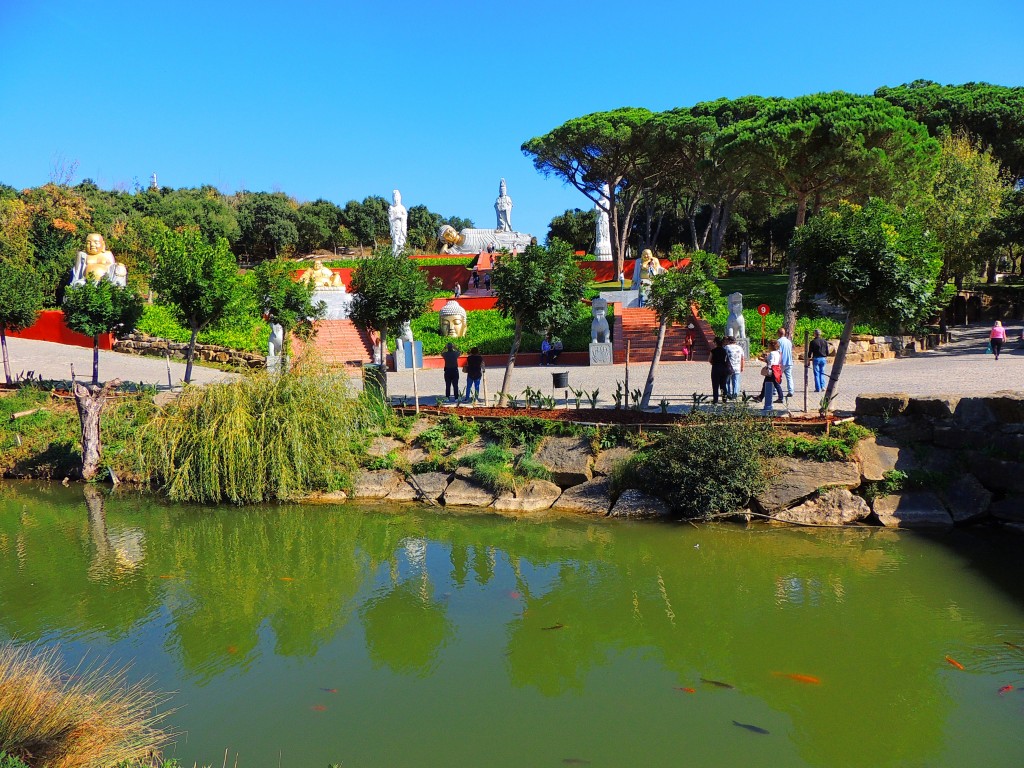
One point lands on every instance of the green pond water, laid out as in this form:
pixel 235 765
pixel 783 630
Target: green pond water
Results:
pixel 397 637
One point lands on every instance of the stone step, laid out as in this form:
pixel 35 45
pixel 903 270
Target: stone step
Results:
pixel 339 343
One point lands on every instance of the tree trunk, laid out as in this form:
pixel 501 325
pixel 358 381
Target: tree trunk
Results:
pixel 795 277
pixel 382 347
pixel 506 382
pixel 90 401
pixel 191 354
pixel 837 365
pixel 649 386
pixel 990 270
pixel 97 521
pixel 96 359
pixel 7 362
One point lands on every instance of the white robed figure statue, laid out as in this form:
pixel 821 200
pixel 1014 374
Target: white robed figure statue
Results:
pixel 398 219
pixel 503 207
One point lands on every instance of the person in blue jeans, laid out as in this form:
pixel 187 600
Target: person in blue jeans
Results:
pixel 474 372
pixel 819 356
pixel 786 355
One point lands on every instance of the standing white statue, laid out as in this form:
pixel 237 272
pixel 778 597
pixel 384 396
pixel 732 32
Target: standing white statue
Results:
pixel 398 219
pixel 603 249
pixel 503 207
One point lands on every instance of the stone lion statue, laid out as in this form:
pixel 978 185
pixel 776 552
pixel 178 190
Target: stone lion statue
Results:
pixel 736 325
pixel 599 331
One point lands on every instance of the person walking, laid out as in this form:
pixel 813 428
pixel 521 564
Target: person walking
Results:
pixel 720 371
pixel 458 290
pixel 736 360
pixel 786 355
pixel 996 338
pixel 819 356
pixel 451 371
pixel 474 372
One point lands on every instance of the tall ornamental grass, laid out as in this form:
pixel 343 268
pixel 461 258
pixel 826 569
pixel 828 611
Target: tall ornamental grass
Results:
pixel 261 437
pixel 91 719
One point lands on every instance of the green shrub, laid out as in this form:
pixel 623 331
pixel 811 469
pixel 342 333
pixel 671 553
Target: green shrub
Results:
pixel 710 465
pixel 896 481
pixel 236 331
pixel 527 431
pixel 500 470
pixel 261 437
pixel 447 435
pixel 836 446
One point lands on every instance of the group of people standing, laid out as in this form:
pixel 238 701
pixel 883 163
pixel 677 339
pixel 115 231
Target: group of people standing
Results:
pixel 727 363
pixel 473 368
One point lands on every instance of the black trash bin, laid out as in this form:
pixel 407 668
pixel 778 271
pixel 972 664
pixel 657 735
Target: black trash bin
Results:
pixel 560 380
pixel 375 380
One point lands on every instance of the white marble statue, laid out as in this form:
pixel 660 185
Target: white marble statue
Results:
pixel 736 325
pixel 274 347
pixel 503 207
pixel 398 219
pixel 599 331
pixel 603 249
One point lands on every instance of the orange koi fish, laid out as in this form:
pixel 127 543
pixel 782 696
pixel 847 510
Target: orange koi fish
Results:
pixel 809 679
pixel 318 708
pixel 514 595
pixel 287 578
pixel 330 690
pixel 1005 689
pixel 954 662
pixel 684 690
pixel 166 576
pixel 232 649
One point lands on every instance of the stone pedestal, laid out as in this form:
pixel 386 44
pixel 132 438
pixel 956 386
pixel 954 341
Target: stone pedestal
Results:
pixel 601 353
pixel 338 301
pixel 405 351
pixel 628 299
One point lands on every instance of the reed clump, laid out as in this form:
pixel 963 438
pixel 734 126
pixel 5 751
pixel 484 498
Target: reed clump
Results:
pixel 91 719
pixel 261 437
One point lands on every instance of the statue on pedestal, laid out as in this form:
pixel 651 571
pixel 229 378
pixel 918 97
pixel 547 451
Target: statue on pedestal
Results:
pixel 320 276
pixel 736 325
pixel 599 331
pixel 452 320
pixel 398 220
pixel 96 263
pixel 503 207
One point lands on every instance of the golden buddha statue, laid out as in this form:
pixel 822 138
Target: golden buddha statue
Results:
pixel 321 276
pixel 95 262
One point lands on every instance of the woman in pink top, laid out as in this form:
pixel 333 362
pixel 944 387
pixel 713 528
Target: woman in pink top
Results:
pixel 997 337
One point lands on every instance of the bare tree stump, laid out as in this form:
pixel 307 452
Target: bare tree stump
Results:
pixel 90 401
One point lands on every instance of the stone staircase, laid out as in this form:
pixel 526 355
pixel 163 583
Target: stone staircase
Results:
pixel 640 327
pixel 340 343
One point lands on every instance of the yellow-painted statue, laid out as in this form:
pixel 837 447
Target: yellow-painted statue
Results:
pixel 96 263
pixel 321 276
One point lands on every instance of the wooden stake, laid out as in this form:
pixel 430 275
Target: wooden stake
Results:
pixel 627 372
pixel 415 388
pixel 807 365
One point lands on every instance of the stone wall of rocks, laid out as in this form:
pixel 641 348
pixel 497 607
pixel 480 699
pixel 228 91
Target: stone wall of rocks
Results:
pixel 142 344
pixel 864 348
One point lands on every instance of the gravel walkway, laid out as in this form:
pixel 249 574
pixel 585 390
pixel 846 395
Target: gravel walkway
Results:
pixel 961 367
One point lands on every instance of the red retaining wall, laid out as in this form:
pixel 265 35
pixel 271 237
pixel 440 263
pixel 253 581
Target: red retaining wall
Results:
pixel 467 302
pixel 49 326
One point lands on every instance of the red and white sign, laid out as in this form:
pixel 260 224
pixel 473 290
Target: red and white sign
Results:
pixel 763 310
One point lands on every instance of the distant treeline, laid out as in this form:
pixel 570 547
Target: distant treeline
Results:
pixel 47 225
pixel 738 176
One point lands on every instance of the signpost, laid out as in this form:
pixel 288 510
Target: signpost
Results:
pixel 763 310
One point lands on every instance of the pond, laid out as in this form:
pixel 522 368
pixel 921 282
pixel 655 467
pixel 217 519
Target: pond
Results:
pixel 372 637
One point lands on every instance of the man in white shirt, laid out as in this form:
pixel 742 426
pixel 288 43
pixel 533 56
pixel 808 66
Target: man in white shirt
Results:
pixel 735 352
pixel 786 352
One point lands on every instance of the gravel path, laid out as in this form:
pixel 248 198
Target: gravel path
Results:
pixel 961 367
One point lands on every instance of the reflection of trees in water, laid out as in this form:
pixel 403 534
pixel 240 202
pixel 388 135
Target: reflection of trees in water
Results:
pixel 743 605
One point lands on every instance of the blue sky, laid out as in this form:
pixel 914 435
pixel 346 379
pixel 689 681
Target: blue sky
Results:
pixel 340 100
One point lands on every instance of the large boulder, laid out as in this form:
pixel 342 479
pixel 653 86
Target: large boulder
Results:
pixel 568 460
pixel 833 506
pixel 426 486
pixel 876 456
pixel 606 460
pixel 967 499
pixel 382 446
pixel 590 498
pixel 996 474
pixel 885 405
pixel 934 407
pixel 1010 509
pixel 375 484
pixel 913 509
pixel 795 479
pixel 463 491
pixel 1007 407
pixel 637 505
pixel 535 496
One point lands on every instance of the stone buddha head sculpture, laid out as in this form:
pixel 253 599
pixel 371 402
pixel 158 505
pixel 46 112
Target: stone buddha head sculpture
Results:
pixel 452 321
